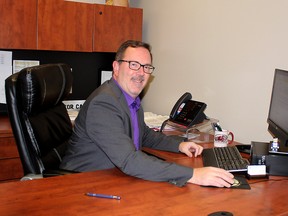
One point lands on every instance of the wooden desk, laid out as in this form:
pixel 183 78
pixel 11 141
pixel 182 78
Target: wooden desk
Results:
pixel 64 195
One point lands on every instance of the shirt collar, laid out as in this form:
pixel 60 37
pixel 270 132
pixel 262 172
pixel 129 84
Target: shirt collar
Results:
pixel 132 103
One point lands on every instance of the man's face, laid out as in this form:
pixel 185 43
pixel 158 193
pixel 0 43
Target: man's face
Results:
pixel 131 81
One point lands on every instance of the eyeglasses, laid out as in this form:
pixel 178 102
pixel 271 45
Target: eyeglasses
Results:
pixel 134 65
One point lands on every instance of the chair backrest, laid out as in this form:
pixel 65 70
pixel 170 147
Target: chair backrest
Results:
pixel 39 120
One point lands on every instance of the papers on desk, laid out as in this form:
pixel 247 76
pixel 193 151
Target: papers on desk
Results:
pixel 153 120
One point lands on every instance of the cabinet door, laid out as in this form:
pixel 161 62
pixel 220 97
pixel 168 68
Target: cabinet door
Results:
pixel 64 25
pixel 114 25
pixel 10 163
pixel 18 24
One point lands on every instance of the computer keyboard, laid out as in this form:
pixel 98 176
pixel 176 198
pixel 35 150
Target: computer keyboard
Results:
pixel 228 158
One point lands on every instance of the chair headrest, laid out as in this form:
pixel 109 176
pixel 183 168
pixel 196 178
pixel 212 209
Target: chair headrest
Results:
pixel 43 86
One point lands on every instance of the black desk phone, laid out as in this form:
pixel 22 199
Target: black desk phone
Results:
pixel 186 112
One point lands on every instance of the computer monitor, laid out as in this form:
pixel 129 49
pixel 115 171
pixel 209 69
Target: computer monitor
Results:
pixel 278 111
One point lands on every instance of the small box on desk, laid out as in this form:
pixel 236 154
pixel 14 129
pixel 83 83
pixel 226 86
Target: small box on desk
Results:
pixel 276 163
pixel 259 152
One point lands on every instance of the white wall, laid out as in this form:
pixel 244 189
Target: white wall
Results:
pixel 224 52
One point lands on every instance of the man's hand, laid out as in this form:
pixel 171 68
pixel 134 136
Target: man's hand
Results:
pixel 212 176
pixel 206 176
pixel 189 148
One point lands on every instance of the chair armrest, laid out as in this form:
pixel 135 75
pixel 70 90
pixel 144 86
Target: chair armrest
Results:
pixel 31 177
pixel 47 173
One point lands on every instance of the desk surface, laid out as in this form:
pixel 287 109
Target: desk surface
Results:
pixel 65 195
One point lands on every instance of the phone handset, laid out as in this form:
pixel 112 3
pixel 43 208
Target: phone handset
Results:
pixel 183 99
pixel 179 104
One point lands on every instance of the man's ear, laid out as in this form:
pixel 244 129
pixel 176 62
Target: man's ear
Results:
pixel 115 68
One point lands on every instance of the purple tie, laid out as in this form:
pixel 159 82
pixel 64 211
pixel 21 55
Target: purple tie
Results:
pixel 133 108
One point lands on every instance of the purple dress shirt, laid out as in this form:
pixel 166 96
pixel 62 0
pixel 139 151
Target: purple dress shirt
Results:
pixel 134 105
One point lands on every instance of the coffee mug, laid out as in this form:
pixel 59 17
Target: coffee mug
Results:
pixel 221 138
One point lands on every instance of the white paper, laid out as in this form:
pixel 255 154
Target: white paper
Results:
pixel 256 170
pixel 105 75
pixel 73 104
pixel 18 65
pixel 153 120
pixel 5 71
pixel 73 107
pixel 5 58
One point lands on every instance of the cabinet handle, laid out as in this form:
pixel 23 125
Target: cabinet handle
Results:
pixel 100 12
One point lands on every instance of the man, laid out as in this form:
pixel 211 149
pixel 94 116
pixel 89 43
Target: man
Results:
pixel 110 130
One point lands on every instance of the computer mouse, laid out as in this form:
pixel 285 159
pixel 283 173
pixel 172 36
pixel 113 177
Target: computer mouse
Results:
pixel 236 183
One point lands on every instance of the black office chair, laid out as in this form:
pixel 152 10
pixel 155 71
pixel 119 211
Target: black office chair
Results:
pixel 39 120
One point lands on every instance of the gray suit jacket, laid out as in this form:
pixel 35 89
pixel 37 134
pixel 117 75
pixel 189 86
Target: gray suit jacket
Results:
pixel 102 139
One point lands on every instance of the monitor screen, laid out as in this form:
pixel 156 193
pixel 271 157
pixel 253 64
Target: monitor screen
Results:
pixel 278 112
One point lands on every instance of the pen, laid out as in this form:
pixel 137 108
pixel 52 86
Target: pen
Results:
pixel 103 196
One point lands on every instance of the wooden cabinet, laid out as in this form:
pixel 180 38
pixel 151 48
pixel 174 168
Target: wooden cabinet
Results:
pixel 74 26
pixel 64 25
pixel 18 24
pixel 10 164
pixel 67 26
pixel 114 25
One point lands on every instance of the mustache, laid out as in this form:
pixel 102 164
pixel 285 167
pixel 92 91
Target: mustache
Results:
pixel 138 78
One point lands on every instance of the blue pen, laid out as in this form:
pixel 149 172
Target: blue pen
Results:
pixel 103 196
